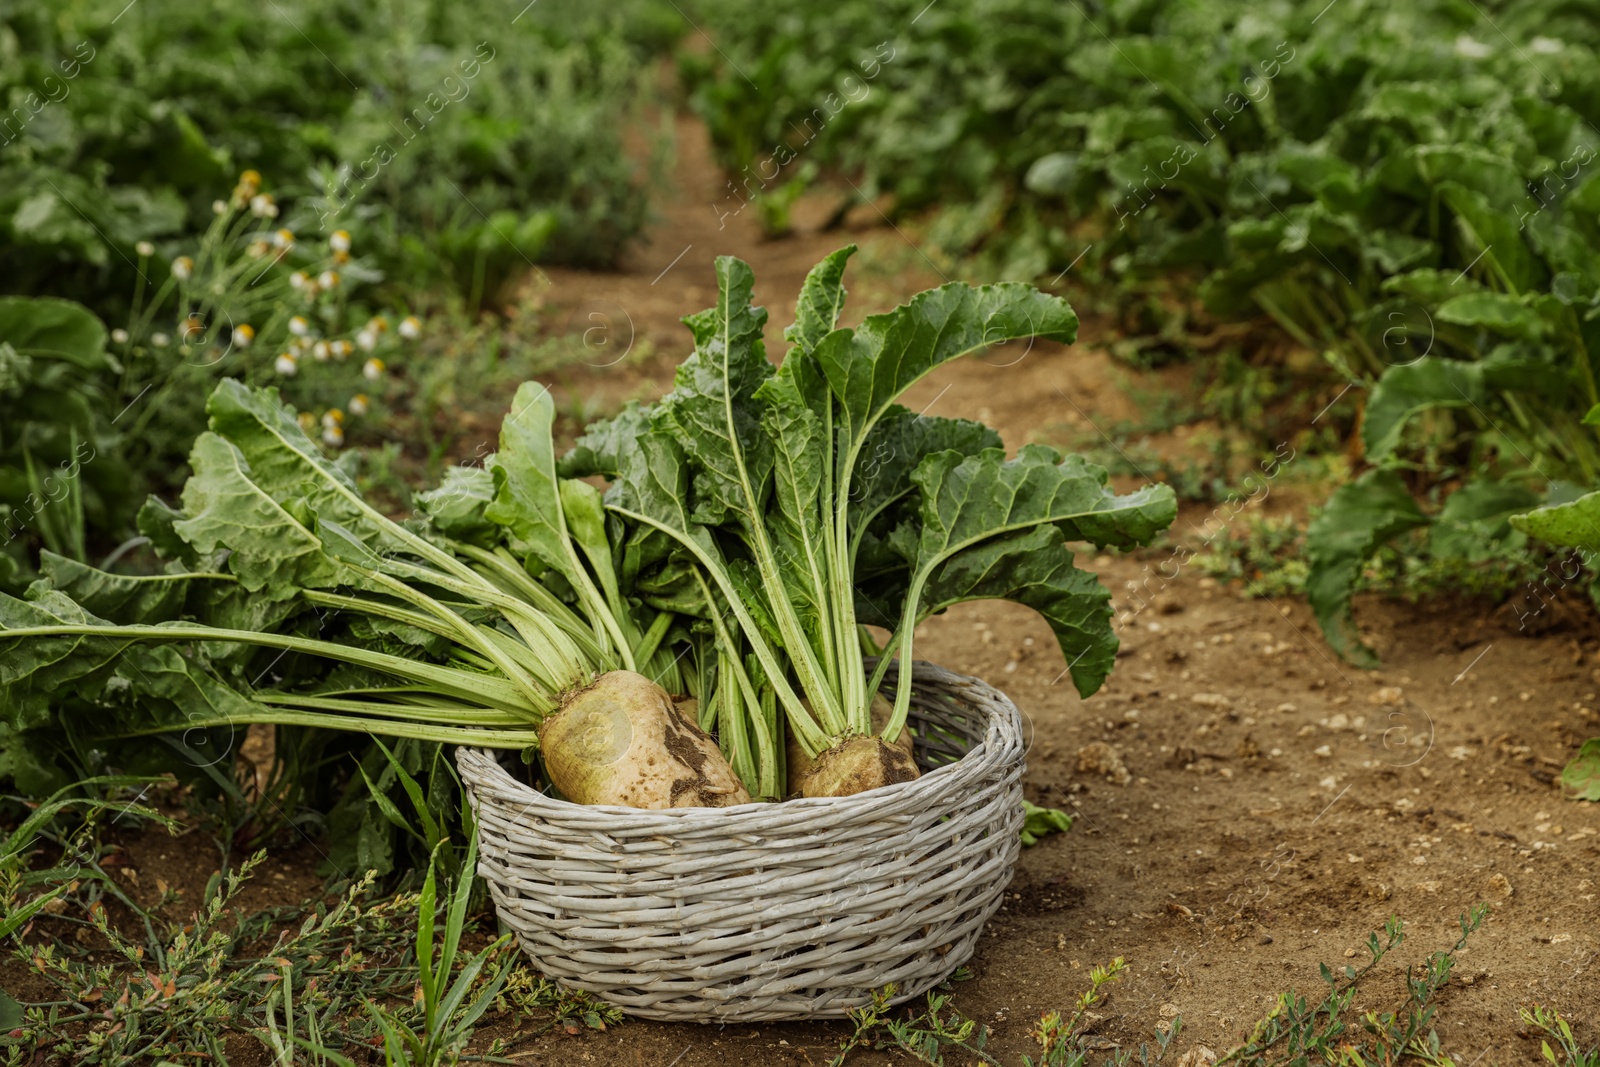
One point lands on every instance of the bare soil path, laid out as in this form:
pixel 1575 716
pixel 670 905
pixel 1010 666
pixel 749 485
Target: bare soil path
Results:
pixel 1278 804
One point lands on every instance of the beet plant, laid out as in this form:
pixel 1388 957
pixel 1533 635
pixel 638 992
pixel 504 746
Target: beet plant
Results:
pixel 803 501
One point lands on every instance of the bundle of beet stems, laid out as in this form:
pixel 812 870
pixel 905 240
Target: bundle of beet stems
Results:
pixel 757 521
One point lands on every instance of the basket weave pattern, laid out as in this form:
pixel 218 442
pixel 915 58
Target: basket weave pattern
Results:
pixel 767 911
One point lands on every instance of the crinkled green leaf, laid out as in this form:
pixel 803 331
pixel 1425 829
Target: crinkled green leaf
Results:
pixel 894 449
pixel 457 507
pixel 822 296
pixel 121 598
pixel 33 670
pixel 603 444
pixel 868 368
pixel 1494 311
pixel 157 521
pixel 712 409
pixel 287 465
pixel 1035 568
pixel 968 502
pixel 967 499
pixel 1430 286
pixel 226 508
pixel 1495 234
pixel 1358 518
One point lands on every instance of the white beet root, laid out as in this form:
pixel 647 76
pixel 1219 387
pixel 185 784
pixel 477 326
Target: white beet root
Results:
pixel 852 765
pixel 621 740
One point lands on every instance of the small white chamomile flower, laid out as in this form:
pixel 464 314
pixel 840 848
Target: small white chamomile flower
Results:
pixel 283 239
pixel 410 328
pixel 145 249
pixel 358 404
pixel 119 336
pixel 286 365
pixel 367 339
pixel 332 436
pixel 160 340
pixel 299 326
pixel 298 280
pixel 320 352
pixel 243 335
pixel 219 207
pixel 328 279
pixel 182 268
pixel 372 369
pixel 339 241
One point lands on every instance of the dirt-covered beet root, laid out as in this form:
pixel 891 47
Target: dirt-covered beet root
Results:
pixel 621 740
pixel 856 765
pixel 801 765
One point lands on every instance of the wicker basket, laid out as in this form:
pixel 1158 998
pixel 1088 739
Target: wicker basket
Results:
pixel 767 911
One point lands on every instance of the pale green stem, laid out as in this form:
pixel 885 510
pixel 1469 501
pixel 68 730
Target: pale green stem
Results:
pixel 798 715
pixel 766 744
pixel 495 692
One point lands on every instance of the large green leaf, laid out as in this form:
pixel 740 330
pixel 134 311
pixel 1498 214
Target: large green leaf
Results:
pixel 1359 517
pixel 870 367
pixel 122 598
pixel 1575 524
pixel 33 672
pixel 1496 235
pixel 1474 523
pixel 44 326
pixel 822 296
pixel 1035 568
pixel 226 508
pixel 1408 390
pixel 711 409
pixel 967 499
pixel 527 496
pixel 1499 312
pixel 287 465
pixel 603 444
pixel 895 448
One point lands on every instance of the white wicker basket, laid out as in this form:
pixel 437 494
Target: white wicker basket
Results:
pixel 767 911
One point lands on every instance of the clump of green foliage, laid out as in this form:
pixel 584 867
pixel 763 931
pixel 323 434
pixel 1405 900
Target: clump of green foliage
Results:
pixel 451 149
pixel 1409 193
pixel 1268 554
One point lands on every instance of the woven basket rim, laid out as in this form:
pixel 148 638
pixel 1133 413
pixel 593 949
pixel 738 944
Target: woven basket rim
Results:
pixel 481 765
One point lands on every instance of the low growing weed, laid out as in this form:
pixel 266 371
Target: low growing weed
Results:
pixel 1297 1032
pixel 1567 1052
pixel 928 1035
pixel 358 976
